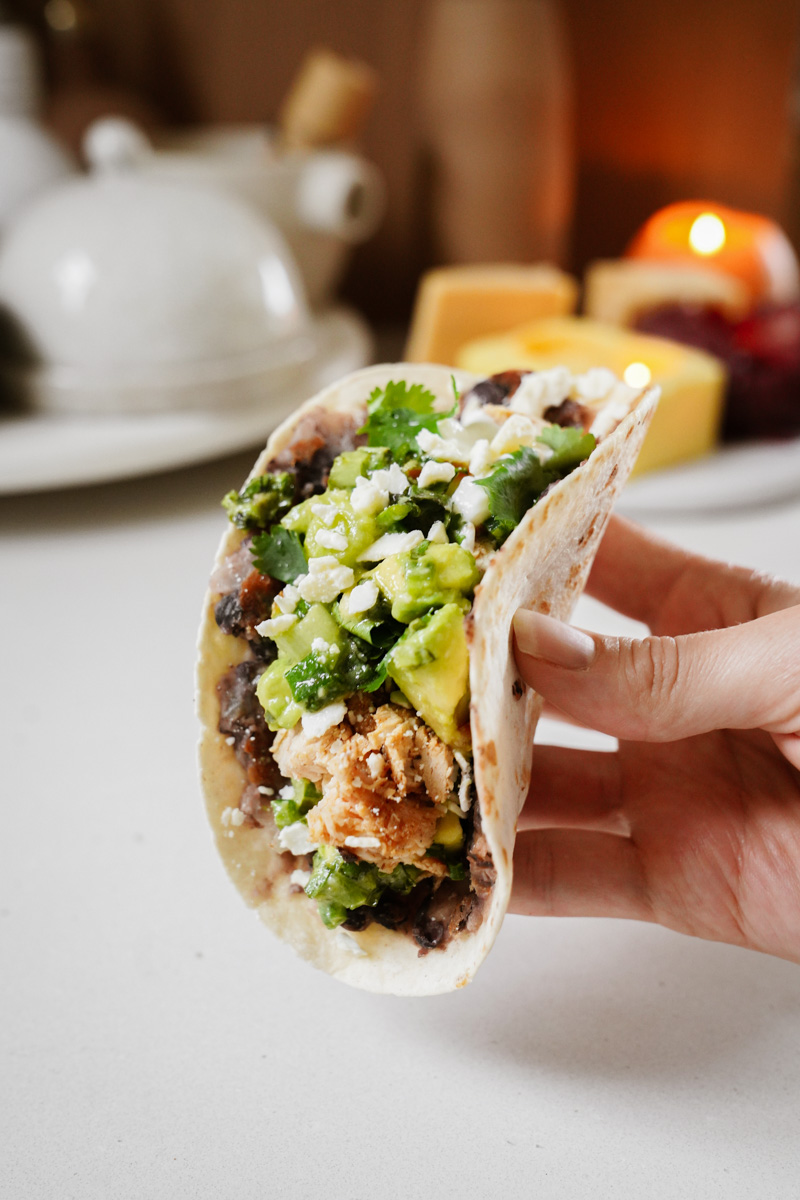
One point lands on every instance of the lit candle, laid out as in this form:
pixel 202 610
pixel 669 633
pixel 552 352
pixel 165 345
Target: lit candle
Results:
pixel 743 245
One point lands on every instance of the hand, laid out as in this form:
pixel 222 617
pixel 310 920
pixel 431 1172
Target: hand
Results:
pixel 695 821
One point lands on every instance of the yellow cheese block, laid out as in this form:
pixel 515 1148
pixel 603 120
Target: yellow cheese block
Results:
pixel 687 420
pixel 456 304
pixel 618 290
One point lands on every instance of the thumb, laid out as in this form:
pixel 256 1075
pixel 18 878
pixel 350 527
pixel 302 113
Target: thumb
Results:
pixel 659 689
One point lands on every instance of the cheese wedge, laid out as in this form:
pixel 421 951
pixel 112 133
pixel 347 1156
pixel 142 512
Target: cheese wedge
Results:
pixel 454 305
pixel 687 420
pixel 619 290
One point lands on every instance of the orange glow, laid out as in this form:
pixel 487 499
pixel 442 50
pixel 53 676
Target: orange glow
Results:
pixel 745 245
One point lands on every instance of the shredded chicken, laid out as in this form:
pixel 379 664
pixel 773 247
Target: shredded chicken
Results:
pixel 384 775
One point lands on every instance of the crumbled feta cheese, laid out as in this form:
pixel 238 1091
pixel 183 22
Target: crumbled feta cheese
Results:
pixel 592 386
pixel 317 723
pixel 362 843
pixel 391 479
pixel 299 877
pixel 326 580
pixel 362 597
pixel 539 390
pixel 436 472
pixel 225 816
pixel 481 458
pixel 230 741
pixel 478 422
pixel 237 817
pixel 471 501
pixel 276 625
pixel 366 497
pixel 349 943
pixel 327 513
pixel 266 791
pixel 320 646
pixel 465 784
pixel 331 539
pixel 437 533
pixel 286 602
pixel 392 543
pixel 468 536
pixel 517 431
pixel 287 792
pixel 295 839
pixel 375 764
pixel 441 448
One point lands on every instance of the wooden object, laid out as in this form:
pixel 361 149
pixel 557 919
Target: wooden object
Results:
pixel 328 102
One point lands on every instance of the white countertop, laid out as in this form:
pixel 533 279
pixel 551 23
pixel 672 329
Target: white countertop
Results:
pixel 158 1042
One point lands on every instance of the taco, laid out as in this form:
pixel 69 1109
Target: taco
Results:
pixel 366 741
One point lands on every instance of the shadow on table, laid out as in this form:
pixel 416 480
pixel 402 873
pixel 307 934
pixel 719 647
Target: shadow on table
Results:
pixel 652 1005
pixel 173 493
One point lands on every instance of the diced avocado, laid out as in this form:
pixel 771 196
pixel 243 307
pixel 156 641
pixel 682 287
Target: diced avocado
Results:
pixel 261 501
pixel 348 466
pixel 274 689
pixel 449 832
pixel 337 885
pixel 375 625
pixel 358 529
pixel 297 518
pixel 275 697
pixel 287 812
pixel 430 665
pixel 297 640
pixel 430 576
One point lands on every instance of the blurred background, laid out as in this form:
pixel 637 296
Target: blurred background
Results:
pixel 216 208
pixel 667 100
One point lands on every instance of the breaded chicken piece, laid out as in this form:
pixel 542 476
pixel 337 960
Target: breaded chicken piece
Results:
pixel 383 774
pixel 402 830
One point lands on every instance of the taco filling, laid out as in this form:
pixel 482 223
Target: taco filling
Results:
pixel 349 708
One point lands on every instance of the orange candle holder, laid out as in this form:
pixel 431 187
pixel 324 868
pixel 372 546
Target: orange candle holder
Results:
pixel 744 245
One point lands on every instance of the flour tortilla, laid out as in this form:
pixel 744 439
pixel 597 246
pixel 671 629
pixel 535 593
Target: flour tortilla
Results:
pixel 542 566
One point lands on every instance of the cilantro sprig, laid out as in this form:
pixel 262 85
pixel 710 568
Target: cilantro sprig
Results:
pixel 397 413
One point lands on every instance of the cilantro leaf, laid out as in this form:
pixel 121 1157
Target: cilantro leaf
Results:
pixel 570 447
pixel 400 395
pixel 397 413
pixel 261 502
pixel 518 479
pixel 513 486
pixel 279 553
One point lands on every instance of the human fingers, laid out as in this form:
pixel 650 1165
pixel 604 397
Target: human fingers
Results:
pixel 673 591
pixel 563 873
pixel 664 688
pixel 574 789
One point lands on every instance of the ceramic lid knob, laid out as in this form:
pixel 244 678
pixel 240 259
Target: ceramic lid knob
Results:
pixel 113 144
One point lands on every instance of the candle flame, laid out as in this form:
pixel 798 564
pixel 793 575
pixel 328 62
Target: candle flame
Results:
pixel 707 234
pixel 637 375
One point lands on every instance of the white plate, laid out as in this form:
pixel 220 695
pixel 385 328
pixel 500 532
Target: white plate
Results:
pixel 40 452
pixel 735 477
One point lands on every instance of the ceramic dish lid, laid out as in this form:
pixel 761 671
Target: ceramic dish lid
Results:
pixel 121 291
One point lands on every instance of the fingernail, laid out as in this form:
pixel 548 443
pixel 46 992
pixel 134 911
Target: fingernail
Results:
pixel 553 641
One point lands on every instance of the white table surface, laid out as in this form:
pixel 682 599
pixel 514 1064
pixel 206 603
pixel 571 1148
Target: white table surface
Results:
pixel 158 1042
